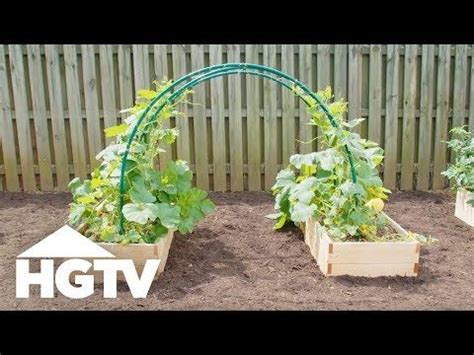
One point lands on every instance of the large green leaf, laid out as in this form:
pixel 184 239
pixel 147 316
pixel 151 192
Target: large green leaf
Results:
pixel 367 175
pixel 111 152
pixel 207 206
pixel 303 195
pixel 179 167
pixel 327 158
pixel 285 176
pixel 74 185
pixel 79 189
pixel 194 206
pixel 160 230
pixel 359 217
pixel 176 178
pixel 302 212
pixel 116 130
pixel 282 201
pixel 183 182
pixel 140 212
pixel 76 213
pixel 186 225
pixel 274 215
pixel 170 189
pixel 169 215
pixel 155 180
pixel 303 192
pixel 281 221
pixel 355 122
pixel 347 188
pixel 139 193
pixel 303 159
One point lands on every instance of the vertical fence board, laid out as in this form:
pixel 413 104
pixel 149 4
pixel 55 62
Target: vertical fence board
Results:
pixel 306 76
pixel 340 71
pixel 253 123
pixel 323 66
pixel 161 73
pixel 471 98
pixel 375 94
pixel 442 112
pixel 94 132
pixel 218 123
pixel 355 84
pixel 200 122
pixel 141 71
pixel 235 124
pixel 391 118
pixel 409 93
pixel 108 87
pixel 22 117
pixel 125 78
pixel 459 97
pixel 53 75
pixel 179 69
pixel 7 133
pixel 75 114
pixel 270 120
pixel 288 105
pixel 426 117
pixel 39 116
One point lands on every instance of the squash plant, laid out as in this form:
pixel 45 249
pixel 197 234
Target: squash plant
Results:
pixel 156 201
pixel 461 173
pixel 320 184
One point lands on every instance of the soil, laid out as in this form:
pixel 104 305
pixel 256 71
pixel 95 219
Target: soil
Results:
pixel 235 260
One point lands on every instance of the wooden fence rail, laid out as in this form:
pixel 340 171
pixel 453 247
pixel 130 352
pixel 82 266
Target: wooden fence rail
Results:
pixel 56 100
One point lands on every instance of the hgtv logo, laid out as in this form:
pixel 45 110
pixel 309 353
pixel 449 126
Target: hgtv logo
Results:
pixel 74 249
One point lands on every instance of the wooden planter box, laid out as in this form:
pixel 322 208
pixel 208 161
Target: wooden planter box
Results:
pixel 139 253
pixel 463 211
pixel 369 259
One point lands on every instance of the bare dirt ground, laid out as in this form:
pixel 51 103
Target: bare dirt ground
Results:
pixel 234 260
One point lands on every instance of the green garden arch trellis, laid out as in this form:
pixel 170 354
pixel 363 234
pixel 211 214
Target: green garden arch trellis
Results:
pixel 192 79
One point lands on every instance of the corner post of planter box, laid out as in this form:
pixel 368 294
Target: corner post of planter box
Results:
pixel 463 210
pixel 180 86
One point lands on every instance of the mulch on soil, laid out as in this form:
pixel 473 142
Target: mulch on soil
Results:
pixel 235 260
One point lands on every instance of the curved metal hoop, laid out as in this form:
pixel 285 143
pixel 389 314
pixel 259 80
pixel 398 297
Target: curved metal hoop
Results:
pixel 192 79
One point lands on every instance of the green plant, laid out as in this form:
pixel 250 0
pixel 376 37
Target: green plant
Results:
pixel 156 201
pixel 462 171
pixel 320 184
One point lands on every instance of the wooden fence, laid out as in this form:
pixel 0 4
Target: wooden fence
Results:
pixel 55 101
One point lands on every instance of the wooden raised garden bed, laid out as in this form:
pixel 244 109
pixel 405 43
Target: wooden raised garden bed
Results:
pixel 139 253
pixel 463 211
pixel 369 259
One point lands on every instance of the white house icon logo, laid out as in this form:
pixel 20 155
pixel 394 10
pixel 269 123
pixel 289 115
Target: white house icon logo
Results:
pixel 66 243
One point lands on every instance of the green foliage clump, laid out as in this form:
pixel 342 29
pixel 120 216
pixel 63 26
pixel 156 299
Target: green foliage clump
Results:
pixel 320 184
pixel 462 171
pixel 155 201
